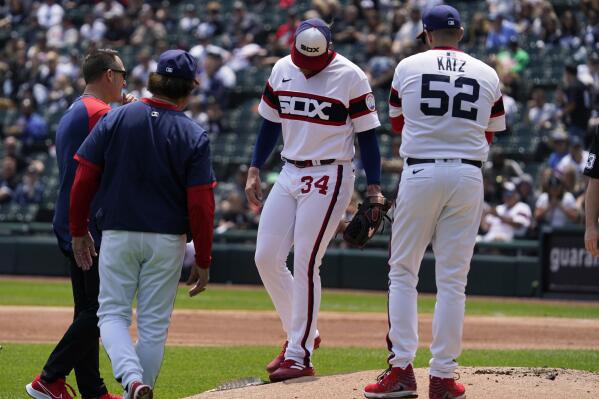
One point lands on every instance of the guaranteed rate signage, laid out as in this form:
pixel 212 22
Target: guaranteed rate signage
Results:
pixel 567 266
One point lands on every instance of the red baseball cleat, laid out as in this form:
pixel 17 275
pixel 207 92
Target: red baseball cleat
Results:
pixel 291 369
pixel 445 388
pixel 40 389
pixel 139 390
pixel 110 396
pixel 394 382
pixel 276 362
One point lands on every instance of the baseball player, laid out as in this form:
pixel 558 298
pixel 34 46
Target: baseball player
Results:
pixel 78 350
pixel 442 101
pixel 318 99
pixel 150 165
pixel 591 235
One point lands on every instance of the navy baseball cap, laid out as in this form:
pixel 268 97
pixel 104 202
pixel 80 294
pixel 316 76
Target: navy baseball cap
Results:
pixel 440 17
pixel 178 64
pixel 311 44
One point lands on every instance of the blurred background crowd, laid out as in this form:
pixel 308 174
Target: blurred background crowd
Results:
pixel 545 52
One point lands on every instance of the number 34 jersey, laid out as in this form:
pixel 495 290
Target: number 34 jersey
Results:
pixel 448 100
pixel 319 113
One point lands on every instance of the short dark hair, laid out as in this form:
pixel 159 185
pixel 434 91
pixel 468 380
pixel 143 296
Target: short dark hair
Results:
pixel 447 33
pixel 97 62
pixel 170 87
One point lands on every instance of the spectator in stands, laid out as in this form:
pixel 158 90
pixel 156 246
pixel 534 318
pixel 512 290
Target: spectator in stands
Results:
pixel 575 103
pixel 8 179
pixel 560 146
pixel 576 157
pixel 285 32
pixel 542 115
pixel 108 9
pixel 591 30
pixel 570 32
pixel 556 207
pixel 508 220
pixel 93 29
pixel 244 20
pixel 232 213
pixel 31 189
pixel 190 21
pixel 405 38
pixel 348 29
pixel 61 95
pixel 478 29
pixel 31 129
pixel 145 65
pixel 525 186
pixel 500 32
pixel 514 58
pixel 216 79
pixel 548 30
pixel 498 171
pixel 213 25
pixel 381 65
pixel 12 149
pixel 49 13
pixel 149 30
pixel 209 115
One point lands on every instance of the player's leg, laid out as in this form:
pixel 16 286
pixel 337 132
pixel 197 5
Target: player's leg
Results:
pixel 273 243
pixel 120 260
pixel 417 207
pixel 79 347
pixel 158 281
pixel 453 246
pixel 321 206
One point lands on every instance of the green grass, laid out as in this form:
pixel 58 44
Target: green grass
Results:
pixel 58 293
pixel 190 370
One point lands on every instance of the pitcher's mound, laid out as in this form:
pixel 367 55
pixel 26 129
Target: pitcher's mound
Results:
pixel 481 383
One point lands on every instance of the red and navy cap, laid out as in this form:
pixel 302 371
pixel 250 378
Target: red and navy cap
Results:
pixel 440 17
pixel 178 64
pixel 311 45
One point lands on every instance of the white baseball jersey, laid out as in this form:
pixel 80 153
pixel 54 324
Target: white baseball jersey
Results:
pixel 336 103
pixel 448 100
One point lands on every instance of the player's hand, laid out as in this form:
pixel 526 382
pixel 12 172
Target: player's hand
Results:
pixel 253 189
pixel 128 98
pixel 84 250
pixel 199 277
pixel 591 237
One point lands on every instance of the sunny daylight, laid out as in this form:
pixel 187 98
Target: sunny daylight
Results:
pixel 298 199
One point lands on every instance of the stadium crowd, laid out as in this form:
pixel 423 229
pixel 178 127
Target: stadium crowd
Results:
pixel 545 52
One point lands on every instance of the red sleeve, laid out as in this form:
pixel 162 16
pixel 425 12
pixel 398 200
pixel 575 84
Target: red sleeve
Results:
pixel 200 206
pixel 85 186
pixel 397 124
pixel 489 136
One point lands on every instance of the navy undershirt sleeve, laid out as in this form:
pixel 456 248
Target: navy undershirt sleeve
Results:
pixel 266 142
pixel 371 156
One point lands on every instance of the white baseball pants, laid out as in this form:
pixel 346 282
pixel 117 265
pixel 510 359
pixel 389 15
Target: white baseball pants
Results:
pixel 440 203
pixel 303 210
pixel 149 264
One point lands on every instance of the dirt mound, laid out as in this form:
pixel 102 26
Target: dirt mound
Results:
pixel 487 383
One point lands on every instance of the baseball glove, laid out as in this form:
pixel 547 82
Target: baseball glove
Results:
pixel 366 221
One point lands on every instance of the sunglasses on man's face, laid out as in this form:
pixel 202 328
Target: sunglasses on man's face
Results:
pixel 120 71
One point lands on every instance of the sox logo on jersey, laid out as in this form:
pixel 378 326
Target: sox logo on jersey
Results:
pixel 303 106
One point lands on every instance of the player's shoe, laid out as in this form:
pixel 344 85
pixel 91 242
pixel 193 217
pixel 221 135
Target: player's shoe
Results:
pixel 276 362
pixel 110 396
pixel 139 390
pixel 445 388
pixel 394 382
pixel 40 389
pixel 291 369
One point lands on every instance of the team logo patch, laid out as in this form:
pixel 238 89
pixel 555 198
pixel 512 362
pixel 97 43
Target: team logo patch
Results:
pixel 370 102
pixel 169 69
pixel 591 161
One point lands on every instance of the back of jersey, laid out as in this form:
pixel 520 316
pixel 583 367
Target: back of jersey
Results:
pixel 448 100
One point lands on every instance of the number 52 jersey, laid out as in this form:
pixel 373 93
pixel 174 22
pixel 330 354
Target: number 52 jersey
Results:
pixel 448 100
